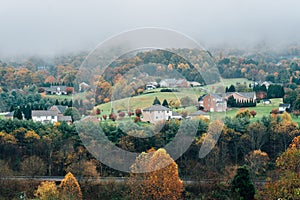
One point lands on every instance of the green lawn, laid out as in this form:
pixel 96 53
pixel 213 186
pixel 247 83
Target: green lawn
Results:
pixel 146 100
pixel 63 97
pixel 226 82
pixel 260 109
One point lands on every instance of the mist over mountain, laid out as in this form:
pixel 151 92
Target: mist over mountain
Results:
pixel 53 27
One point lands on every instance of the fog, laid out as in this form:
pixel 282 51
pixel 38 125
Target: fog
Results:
pixel 52 27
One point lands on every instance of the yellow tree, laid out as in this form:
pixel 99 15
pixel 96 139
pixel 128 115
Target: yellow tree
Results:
pixel 288 186
pixel 161 180
pixel 69 188
pixel 257 161
pixel 47 190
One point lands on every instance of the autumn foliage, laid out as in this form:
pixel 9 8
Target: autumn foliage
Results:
pixel 161 180
pixel 47 190
pixel 69 188
pixel 287 187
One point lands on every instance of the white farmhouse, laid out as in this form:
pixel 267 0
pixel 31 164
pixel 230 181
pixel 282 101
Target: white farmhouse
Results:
pixel 156 113
pixel 44 116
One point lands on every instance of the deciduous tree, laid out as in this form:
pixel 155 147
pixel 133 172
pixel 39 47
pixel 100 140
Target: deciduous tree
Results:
pixel 47 190
pixel 69 188
pixel 161 180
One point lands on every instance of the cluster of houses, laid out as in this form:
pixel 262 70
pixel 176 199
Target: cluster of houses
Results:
pixel 64 90
pixel 52 115
pixel 218 102
pixel 172 83
pixel 266 83
pixel 58 90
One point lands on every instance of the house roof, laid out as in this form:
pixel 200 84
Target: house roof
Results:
pixel 39 113
pixel 156 108
pixel 248 95
pixel 216 95
pixel 64 118
pixel 285 105
pixel 169 81
pixel 201 97
pixel 84 83
pixel 198 113
pixel 55 88
pixel 175 113
pixel 59 108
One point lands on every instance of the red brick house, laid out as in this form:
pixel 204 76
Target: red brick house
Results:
pixel 213 103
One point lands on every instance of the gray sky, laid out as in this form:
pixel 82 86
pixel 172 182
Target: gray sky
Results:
pixel 49 27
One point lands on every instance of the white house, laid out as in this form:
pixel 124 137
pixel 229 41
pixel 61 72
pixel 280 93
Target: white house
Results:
pixel 58 90
pixel 284 106
pixel 83 86
pixel 44 116
pixel 150 87
pixel 266 101
pixel 176 115
pixel 156 113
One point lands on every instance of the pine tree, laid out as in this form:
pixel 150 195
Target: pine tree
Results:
pixel 56 102
pixel 231 88
pixel 18 114
pixel 156 101
pixel 11 108
pixel 165 103
pixel 241 184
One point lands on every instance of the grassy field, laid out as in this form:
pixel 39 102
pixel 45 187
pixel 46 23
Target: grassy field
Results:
pixel 63 97
pixel 261 110
pixel 146 100
pixel 226 83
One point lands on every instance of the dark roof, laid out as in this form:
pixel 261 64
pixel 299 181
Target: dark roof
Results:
pixel 284 105
pixel 156 108
pixel 201 97
pixel 39 113
pixel 58 108
pixel 198 113
pixel 64 118
pixel 175 113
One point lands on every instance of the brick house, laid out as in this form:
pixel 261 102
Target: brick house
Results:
pixel 213 103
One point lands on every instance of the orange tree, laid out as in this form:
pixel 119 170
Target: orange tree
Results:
pixel 161 180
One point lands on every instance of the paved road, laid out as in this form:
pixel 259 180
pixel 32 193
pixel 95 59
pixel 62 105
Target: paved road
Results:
pixel 114 179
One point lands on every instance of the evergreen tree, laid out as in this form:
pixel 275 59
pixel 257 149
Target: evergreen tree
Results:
pixel 165 103
pixel 241 184
pixel 76 103
pixel 56 102
pixel 231 88
pixel 231 102
pixel 18 114
pixel 70 104
pixel 27 113
pixel 11 108
pixel 156 101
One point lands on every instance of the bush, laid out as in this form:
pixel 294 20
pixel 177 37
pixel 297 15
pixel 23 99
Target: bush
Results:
pixel 168 90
